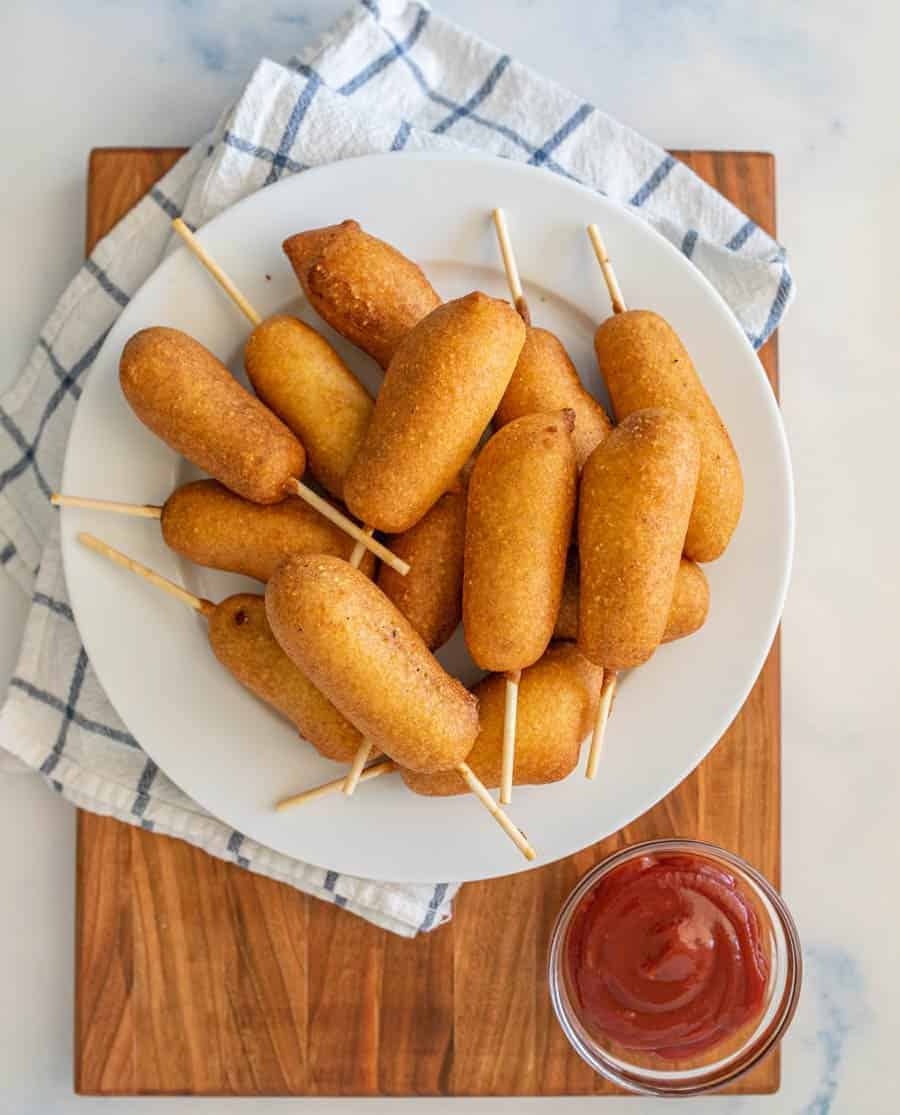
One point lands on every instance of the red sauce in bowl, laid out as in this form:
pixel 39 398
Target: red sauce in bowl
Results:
pixel 665 956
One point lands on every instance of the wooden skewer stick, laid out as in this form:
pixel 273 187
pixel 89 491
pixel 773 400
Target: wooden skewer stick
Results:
pixel 609 276
pixel 363 536
pixel 356 768
pixel 509 735
pixel 511 267
pixel 383 766
pixel 479 789
pixel 607 692
pixel 141 510
pixel 204 607
pixel 339 519
pixel 365 748
pixel 513 677
pixel 216 271
pixel 359 549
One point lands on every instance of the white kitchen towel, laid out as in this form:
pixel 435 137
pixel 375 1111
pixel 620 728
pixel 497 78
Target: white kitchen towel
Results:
pixel 390 77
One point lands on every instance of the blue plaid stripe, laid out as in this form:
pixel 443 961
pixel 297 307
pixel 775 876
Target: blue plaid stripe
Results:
pixel 446 102
pixel 168 206
pixel 742 235
pixel 561 134
pixel 653 183
pixel 58 369
pixel 440 892
pixel 57 606
pixel 481 94
pixel 399 140
pixel 264 153
pixel 7 553
pixel 29 450
pixel 235 843
pixel 115 292
pixel 27 458
pixel 142 797
pixel 293 126
pixel 78 719
pixel 398 49
pixel 689 242
pixel 331 878
pixel 778 305
pixel 49 764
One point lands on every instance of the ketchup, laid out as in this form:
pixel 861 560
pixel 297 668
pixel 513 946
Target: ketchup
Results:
pixel 665 956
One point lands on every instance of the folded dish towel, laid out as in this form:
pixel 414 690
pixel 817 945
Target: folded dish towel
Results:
pixel 391 76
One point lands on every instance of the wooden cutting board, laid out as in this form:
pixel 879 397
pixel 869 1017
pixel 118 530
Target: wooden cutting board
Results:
pixel 194 976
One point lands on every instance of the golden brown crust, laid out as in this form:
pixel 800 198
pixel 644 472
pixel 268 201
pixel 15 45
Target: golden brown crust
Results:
pixel 300 377
pixel 363 287
pixel 430 595
pixel 438 396
pixel 637 489
pixel 690 602
pixel 211 526
pixel 557 705
pixel 187 397
pixel 354 645
pixel 518 528
pixel 645 364
pixel 546 380
pixel 242 640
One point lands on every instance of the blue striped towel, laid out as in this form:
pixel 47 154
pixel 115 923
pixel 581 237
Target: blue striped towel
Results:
pixel 391 76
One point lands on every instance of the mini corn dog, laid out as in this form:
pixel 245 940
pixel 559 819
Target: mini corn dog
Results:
pixel 364 655
pixel 545 379
pixel 241 640
pixel 430 596
pixel 645 365
pixel 636 494
pixel 191 401
pixel 690 602
pixel 519 522
pixel 439 394
pixel 300 377
pixel 306 403
pixel 209 525
pixel 364 288
pixel 557 703
pixel 520 510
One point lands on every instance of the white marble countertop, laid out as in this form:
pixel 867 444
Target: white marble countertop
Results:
pixel 812 82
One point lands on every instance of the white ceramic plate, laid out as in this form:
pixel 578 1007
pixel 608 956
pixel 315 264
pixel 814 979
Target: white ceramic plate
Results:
pixel 230 752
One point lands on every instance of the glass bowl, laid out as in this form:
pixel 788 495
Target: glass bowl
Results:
pixel 652 1074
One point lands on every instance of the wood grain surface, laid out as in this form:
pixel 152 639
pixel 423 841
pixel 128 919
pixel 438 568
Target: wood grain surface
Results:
pixel 197 977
